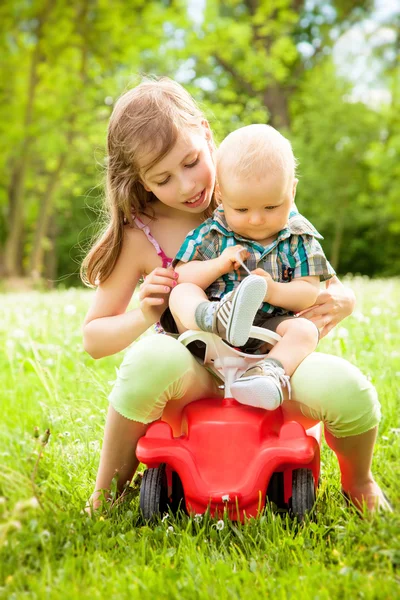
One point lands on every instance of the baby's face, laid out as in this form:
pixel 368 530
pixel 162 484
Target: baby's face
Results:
pixel 258 210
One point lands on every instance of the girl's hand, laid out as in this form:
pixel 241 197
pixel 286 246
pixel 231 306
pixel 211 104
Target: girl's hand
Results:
pixel 154 293
pixel 228 259
pixel 333 304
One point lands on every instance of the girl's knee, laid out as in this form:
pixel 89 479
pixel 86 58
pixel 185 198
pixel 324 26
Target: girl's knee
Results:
pixel 154 354
pixel 331 389
pixel 150 367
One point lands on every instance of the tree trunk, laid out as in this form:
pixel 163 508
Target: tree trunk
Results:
pixel 275 99
pixel 50 257
pixel 13 264
pixel 45 221
pixel 338 237
pixel 42 223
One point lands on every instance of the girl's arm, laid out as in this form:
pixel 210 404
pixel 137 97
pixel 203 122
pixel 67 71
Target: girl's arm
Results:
pixel 107 328
pixel 332 305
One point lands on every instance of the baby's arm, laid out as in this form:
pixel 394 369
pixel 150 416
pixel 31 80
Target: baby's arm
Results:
pixel 295 295
pixel 204 273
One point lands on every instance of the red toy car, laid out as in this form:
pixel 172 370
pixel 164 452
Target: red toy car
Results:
pixel 227 456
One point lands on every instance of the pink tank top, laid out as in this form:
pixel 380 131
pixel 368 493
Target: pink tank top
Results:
pixel 166 261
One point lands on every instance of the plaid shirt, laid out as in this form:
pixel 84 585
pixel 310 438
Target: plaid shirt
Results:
pixel 294 253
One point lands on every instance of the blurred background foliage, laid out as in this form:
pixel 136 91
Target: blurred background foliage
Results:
pixel 324 72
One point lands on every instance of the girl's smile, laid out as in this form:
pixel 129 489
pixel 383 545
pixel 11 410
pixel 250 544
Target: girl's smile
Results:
pixel 184 179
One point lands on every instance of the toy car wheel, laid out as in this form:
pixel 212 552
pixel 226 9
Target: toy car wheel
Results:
pixel 275 491
pixel 154 492
pixel 303 493
pixel 178 494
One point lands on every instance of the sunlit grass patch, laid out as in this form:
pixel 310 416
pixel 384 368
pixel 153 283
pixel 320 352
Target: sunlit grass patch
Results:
pixel 49 549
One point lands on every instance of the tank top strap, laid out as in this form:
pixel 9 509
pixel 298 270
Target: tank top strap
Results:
pixel 166 261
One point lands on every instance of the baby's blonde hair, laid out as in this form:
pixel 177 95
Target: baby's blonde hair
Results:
pixel 146 122
pixel 253 152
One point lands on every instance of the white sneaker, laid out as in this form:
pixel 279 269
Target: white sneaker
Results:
pixel 235 313
pixel 261 386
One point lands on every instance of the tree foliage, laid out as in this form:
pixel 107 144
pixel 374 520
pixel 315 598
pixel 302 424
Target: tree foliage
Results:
pixel 246 61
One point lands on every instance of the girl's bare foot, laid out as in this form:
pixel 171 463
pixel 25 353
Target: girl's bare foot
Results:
pixel 369 495
pixel 96 502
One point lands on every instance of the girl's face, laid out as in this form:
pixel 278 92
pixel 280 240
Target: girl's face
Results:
pixel 185 178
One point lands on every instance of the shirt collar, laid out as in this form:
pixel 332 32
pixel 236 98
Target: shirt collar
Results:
pixel 296 225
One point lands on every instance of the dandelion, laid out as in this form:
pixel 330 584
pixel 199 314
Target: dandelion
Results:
pixel 15 525
pixel 220 525
pixel 342 333
pixel 225 498
pixel 45 535
pixel 22 505
pixel 198 517
pixel 18 334
pixel 70 309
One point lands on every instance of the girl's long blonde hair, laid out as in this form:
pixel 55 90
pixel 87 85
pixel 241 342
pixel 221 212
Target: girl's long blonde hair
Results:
pixel 146 120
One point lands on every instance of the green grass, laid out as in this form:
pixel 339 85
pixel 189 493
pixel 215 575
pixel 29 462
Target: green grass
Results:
pixel 52 550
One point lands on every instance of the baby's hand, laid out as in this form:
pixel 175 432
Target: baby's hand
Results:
pixel 262 273
pixel 268 279
pixel 229 258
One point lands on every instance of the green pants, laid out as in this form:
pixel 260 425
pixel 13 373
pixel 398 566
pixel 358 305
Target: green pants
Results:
pixel 160 376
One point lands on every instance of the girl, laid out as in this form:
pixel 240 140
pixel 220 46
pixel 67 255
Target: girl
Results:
pixel 160 185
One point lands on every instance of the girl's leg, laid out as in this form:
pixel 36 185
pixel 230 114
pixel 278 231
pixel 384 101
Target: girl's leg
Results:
pixel 299 338
pixel 156 370
pixel 329 389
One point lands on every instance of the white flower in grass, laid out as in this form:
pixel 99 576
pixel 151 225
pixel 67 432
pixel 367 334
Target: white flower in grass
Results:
pixel 170 529
pixel 18 334
pixel 69 309
pixel 376 311
pixel 342 333
pixel 225 498
pixel 24 505
pixel 220 525
pixel 45 535
pixel 198 517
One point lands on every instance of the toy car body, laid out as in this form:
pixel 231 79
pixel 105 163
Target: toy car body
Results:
pixel 228 456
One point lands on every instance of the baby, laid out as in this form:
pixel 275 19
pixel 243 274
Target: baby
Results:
pixel 256 261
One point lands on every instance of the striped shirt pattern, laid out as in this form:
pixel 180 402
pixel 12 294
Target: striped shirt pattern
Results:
pixel 295 252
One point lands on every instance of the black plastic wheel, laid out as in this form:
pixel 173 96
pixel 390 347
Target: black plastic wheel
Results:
pixel 154 492
pixel 275 491
pixel 178 494
pixel 303 493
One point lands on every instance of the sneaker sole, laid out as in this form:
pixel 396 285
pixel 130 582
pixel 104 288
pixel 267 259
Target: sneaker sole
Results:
pixel 263 393
pixel 244 308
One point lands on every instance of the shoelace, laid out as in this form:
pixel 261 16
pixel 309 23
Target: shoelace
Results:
pixel 241 262
pixel 279 374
